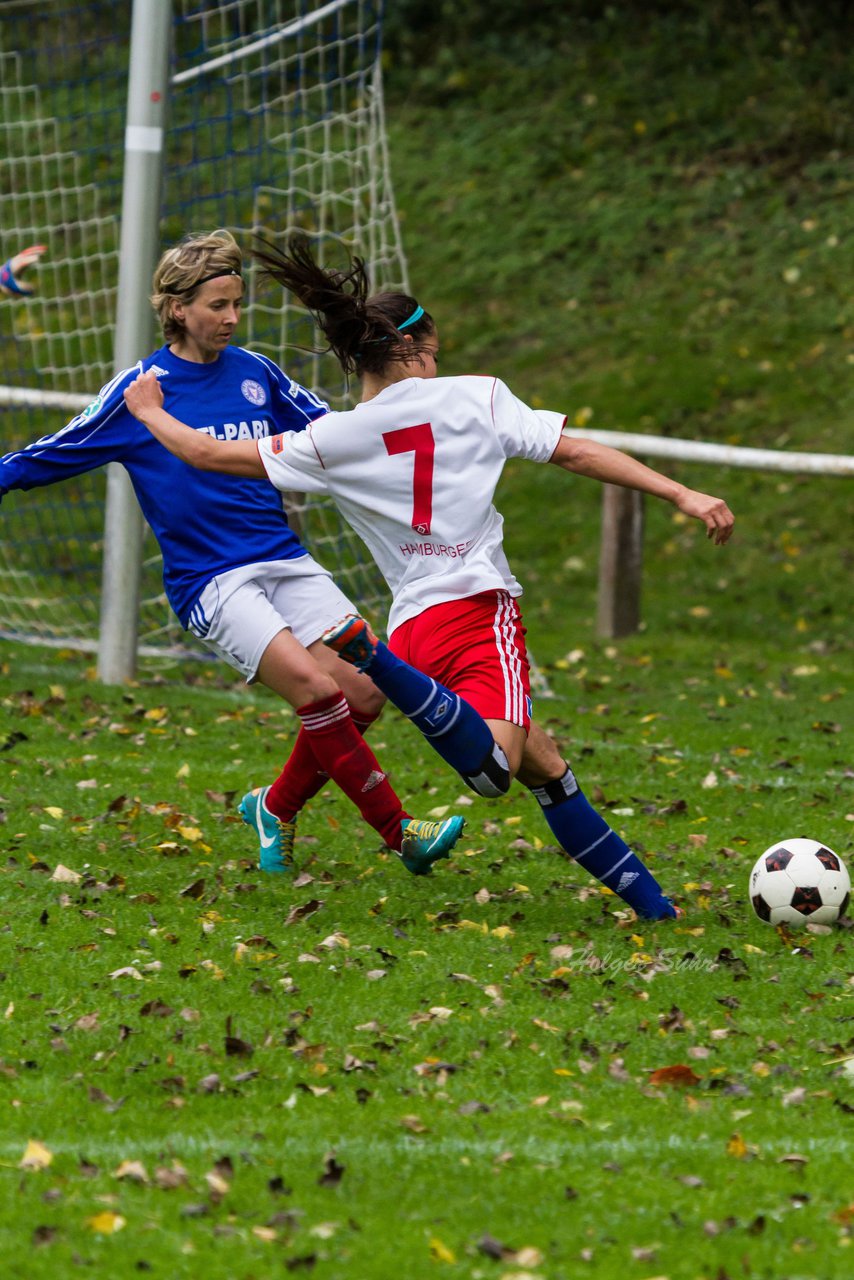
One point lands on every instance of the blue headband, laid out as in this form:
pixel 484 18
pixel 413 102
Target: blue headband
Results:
pixel 416 315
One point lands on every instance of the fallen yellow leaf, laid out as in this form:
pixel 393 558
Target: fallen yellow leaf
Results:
pixel 267 1234
pixel 736 1146
pixel 440 1252
pixel 528 1257
pixel 106 1223
pixel 36 1156
pixel 218 1185
pixel 64 875
pixel 133 1170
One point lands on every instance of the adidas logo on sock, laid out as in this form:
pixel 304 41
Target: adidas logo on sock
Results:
pixel 374 779
pixel 627 878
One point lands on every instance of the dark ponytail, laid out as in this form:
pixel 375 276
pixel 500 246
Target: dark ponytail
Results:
pixel 363 331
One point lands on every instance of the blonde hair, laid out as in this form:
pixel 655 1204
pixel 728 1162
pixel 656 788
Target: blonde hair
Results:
pixel 200 256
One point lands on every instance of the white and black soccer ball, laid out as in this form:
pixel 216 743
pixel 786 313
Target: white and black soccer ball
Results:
pixel 799 882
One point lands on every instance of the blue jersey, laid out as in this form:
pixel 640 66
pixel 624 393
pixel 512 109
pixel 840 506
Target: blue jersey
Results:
pixel 205 522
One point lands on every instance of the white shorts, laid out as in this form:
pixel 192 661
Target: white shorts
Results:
pixel 240 611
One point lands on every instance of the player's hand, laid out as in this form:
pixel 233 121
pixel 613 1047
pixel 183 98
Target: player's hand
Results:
pixel 144 394
pixel 11 283
pixel 714 513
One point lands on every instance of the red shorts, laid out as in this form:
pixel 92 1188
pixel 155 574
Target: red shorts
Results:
pixel 476 648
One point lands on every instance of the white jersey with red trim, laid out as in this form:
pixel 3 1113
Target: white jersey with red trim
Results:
pixel 414 472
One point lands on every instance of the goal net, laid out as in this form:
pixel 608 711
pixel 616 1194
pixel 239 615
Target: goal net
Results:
pixel 275 123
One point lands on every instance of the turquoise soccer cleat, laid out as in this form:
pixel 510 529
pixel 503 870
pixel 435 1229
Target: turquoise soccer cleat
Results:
pixel 275 837
pixel 424 842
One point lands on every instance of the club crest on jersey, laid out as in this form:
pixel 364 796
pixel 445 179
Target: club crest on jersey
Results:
pixel 253 391
pixel 93 407
pixel 423 529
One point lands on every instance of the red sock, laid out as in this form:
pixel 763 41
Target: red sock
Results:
pixel 330 742
pixel 362 719
pixel 302 777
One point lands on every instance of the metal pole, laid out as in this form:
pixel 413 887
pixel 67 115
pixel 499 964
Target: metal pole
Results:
pixel 148 85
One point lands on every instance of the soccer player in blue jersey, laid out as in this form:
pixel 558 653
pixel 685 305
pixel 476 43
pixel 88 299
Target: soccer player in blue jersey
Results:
pixel 234 571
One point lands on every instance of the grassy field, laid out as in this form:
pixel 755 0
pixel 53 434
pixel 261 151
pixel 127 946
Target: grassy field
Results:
pixel 356 1073
pixel 365 1074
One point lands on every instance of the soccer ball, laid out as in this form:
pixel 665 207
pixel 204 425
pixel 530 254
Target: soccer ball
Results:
pixel 799 882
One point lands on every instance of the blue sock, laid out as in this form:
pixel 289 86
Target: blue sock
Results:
pixel 457 732
pixel 586 836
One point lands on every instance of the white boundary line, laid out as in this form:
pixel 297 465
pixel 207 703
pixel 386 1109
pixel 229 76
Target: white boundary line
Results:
pixel 558 1152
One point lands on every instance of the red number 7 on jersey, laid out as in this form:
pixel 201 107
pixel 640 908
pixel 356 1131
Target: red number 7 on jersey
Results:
pixel 417 440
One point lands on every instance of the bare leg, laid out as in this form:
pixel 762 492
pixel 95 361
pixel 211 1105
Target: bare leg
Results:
pixel 366 701
pixel 541 762
pixel 292 672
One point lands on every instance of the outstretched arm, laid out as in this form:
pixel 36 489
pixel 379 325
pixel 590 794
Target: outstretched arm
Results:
pixel 144 398
pixel 11 283
pixel 611 466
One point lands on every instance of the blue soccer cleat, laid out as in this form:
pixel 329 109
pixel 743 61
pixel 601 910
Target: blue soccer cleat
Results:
pixel 275 837
pixel 425 842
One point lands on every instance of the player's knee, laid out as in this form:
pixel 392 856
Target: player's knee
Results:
pixel 365 699
pixel 493 778
pixel 364 716
pixel 314 686
pixel 369 704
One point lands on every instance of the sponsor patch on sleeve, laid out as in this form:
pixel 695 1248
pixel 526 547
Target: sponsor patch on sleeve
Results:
pixel 278 444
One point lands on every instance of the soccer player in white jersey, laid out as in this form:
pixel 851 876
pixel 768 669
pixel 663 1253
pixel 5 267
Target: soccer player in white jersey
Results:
pixel 234 571
pixel 413 467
